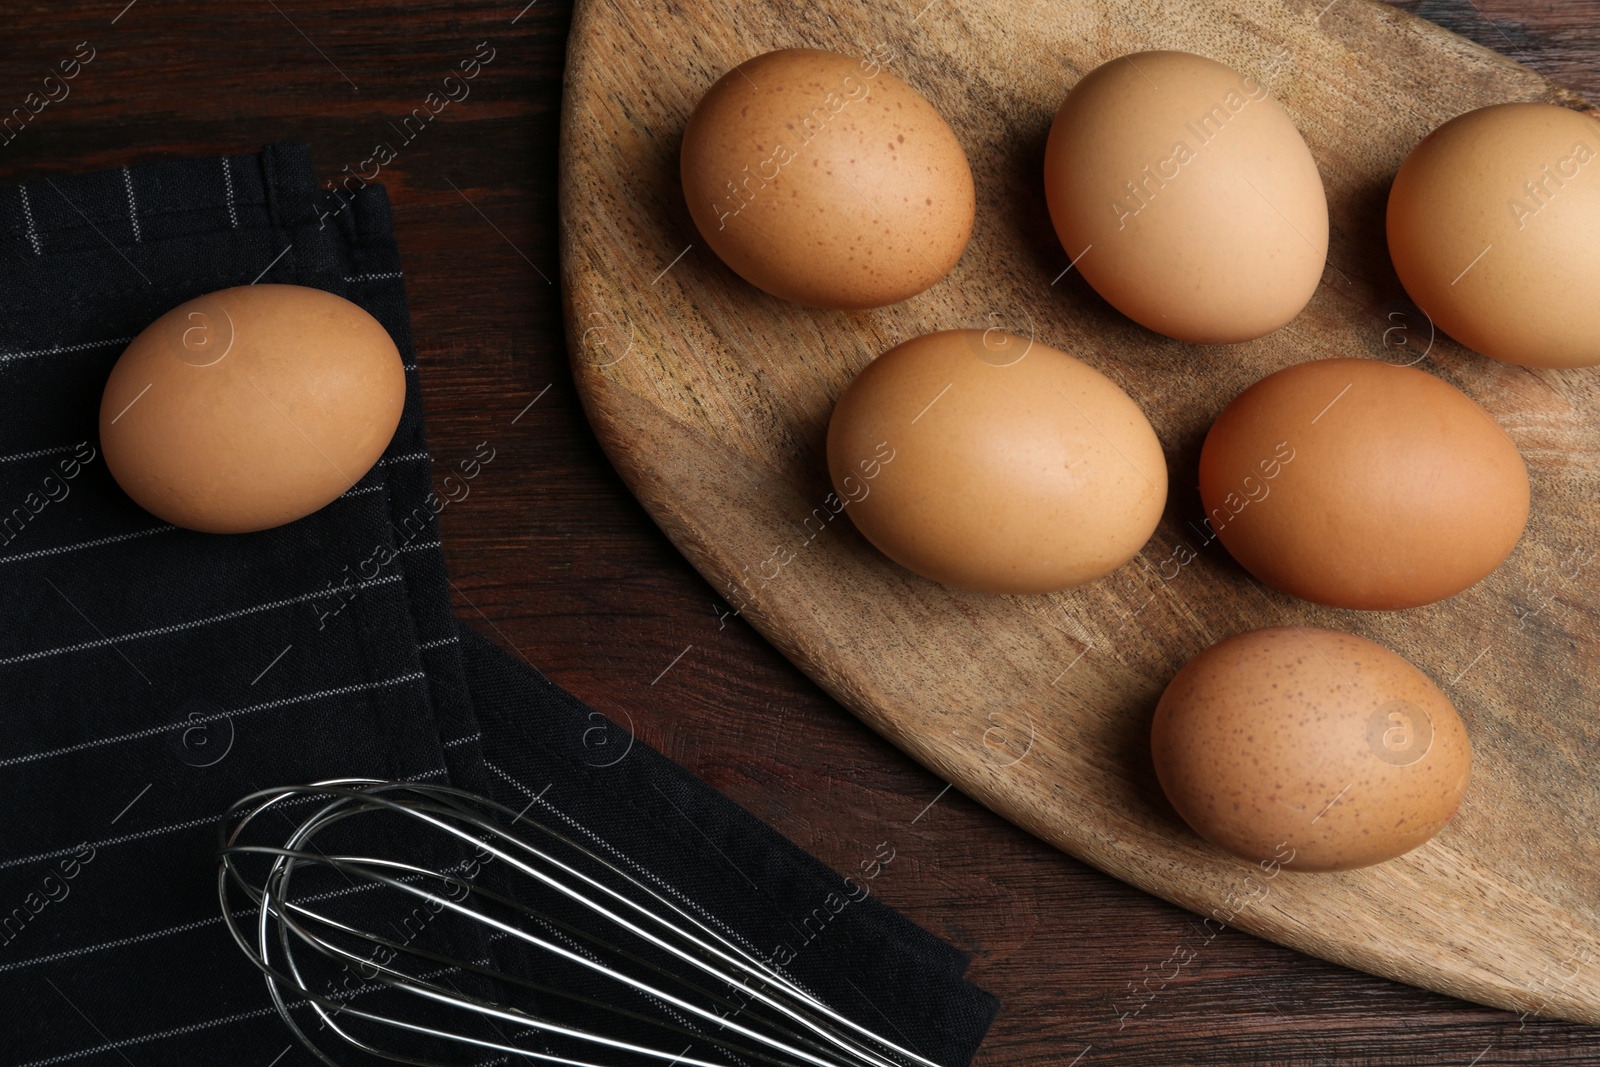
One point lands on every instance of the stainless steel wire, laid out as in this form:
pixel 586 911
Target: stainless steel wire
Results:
pixel 596 939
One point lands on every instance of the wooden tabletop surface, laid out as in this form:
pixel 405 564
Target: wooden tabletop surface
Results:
pixel 554 559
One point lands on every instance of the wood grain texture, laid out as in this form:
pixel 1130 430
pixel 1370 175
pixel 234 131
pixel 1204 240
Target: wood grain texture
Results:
pixel 712 399
pixel 551 555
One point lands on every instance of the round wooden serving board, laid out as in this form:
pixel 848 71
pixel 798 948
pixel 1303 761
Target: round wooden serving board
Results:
pixel 712 399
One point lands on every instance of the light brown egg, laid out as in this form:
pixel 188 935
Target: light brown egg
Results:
pixel 250 407
pixel 990 462
pixel 1186 196
pixel 1492 223
pixel 826 180
pixel 1361 484
pixel 1312 749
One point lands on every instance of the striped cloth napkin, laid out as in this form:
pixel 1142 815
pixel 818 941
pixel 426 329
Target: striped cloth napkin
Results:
pixel 153 675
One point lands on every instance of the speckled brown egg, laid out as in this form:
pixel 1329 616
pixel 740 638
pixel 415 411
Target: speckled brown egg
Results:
pixel 251 407
pixel 1492 222
pixel 990 462
pixel 1184 194
pixel 1361 484
pixel 1314 749
pixel 826 180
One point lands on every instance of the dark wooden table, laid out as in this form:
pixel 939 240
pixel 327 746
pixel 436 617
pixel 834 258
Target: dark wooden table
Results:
pixel 554 559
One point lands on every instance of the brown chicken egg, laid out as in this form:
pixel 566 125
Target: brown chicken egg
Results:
pixel 1311 749
pixel 1186 196
pixel 990 462
pixel 1492 223
pixel 250 407
pixel 1361 484
pixel 826 180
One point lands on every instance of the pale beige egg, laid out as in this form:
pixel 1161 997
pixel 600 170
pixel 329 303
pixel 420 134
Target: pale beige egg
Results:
pixel 1186 197
pixel 1492 222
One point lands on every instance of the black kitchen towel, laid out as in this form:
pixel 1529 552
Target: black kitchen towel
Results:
pixel 154 675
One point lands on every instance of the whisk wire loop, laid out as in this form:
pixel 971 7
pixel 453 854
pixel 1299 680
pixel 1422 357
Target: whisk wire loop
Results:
pixel 626 934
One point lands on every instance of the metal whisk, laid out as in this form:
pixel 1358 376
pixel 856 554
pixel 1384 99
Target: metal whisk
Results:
pixel 573 960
